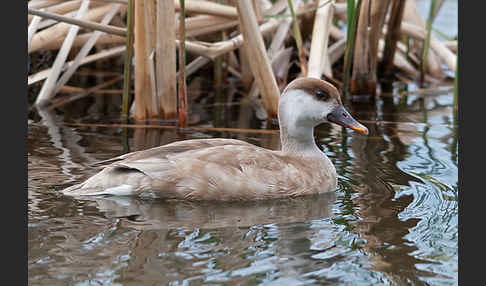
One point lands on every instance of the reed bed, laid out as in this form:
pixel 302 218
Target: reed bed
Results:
pixel 264 43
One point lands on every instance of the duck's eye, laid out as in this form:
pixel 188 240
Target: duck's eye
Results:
pixel 322 95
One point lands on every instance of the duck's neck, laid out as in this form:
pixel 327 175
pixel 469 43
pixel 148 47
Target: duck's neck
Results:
pixel 297 140
pixel 296 136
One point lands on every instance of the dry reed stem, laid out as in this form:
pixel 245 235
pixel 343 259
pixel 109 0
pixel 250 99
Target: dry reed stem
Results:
pixel 258 10
pixel 125 2
pixel 280 66
pixel 196 64
pixel 369 31
pixel 60 30
pixel 104 54
pixel 392 36
pixel 378 12
pixel 153 86
pixel 361 83
pixel 85 49
pixel 206 7
pixel 150 21
pixel 83 38
pixel 49 22
pixel 440 49
pixel 182 88
pixel 280 35
pixel 336 50
pixel 166 58
pixel 213 50
pixel 412 15
pixel 47 90
pixel 336 33
pixel 127 62
pixel 259 62
pixel 205 24
pixel 339 8
pixel 399 60
pixel 279 57
pixel 245 70
pixel 42 3
pixel 320 38
pixel 141 71
pixel 61 8
pixel 32 29
pixel 81 23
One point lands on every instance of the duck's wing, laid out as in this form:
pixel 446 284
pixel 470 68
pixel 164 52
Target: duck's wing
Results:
pixel 230 172
pixel 129 173
pixel 172 148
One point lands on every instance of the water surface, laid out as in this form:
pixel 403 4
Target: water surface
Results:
pixel 392 220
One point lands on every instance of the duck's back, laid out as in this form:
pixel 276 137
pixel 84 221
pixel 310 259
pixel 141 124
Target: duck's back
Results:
pixel 210 169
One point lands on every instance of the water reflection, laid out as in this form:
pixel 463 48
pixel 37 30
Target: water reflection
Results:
pixel 159 214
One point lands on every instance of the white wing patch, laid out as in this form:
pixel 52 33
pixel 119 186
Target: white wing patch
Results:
pixel 122 190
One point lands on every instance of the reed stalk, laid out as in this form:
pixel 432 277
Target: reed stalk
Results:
pixel 426 46
pixel 127 65
pixel 152 108
pixel 298 41
pixel 82 39
pixel 219 96
pixel 207 7
pixel 446 55
pixel 85 49
pixel 42 3
pixel 34 25
pixel 61 8
pixel 319 57
pixel 182 95
pixel 59 30
pixel 412 15
pixel 259 62
pixel 206 24
pixel 166 59
pixel 47 90
pixel 218 68
pixel 352 21
pixel 392 36
pixel 141 72
pixel 79 22
pixel 280 35
pixel 213 50
pixel 368 33
pixel 245 70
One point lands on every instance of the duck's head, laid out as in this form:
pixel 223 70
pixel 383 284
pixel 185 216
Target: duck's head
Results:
pixel 308 102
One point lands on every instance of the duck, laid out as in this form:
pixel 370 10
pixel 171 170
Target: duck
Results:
pixel 230 169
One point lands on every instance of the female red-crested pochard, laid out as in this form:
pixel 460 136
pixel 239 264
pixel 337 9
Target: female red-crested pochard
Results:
pixel 229 169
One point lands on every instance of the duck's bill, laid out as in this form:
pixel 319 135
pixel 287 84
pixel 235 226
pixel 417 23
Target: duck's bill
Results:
pixel 342 117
